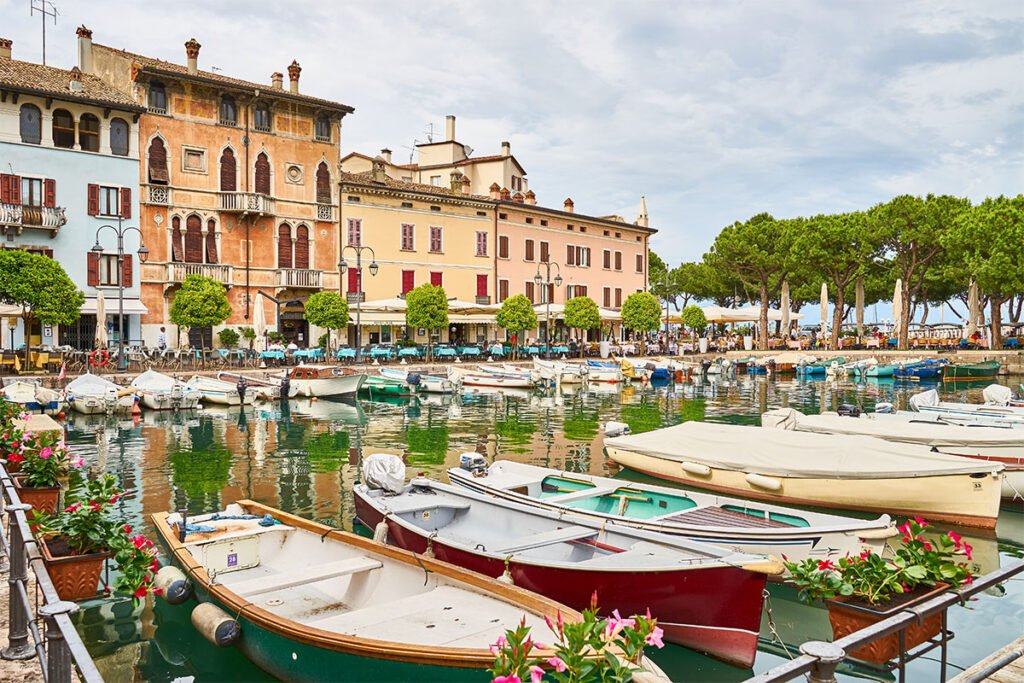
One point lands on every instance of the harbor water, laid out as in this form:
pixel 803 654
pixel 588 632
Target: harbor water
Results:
pixel 303 457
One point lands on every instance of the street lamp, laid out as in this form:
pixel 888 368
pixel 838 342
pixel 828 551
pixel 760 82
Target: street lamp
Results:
pixel 342 267
pixel 143 252
pixel 545 282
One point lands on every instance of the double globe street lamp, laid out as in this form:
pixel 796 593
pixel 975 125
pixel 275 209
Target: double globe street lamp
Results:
pixel 143 252
pixel 546 283
pixel 342 268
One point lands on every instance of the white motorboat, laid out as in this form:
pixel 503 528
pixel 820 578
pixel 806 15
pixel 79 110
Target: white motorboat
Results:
pixel 158 391
pixel 265 388
pixel 598 371
pixel 316 381
pixel 222 393
pixel 91 394
pixel 562 371
pixel 417 381
pixel 854 367
pixel 495 379
pixel 998 405
pixel 34 398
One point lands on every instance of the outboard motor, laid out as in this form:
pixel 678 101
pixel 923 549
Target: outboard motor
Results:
pixel 240 388
pixel 285 388
pixel 412 379
pixel 473 463
pixel 885 408
pixel 848 410
pixel 704 365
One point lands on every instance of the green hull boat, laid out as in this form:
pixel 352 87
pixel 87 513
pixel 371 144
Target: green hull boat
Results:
pixel 880 371
pixel 382 386
pixel 965 371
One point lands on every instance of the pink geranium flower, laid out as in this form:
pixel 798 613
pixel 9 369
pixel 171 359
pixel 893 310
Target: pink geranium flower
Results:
pixel 536 674
pixel 511 678
pixel 557 664
pixel 654 637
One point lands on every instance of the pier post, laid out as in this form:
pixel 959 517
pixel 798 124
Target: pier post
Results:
pixel 829 657
pixel 58 656
pixel 18 644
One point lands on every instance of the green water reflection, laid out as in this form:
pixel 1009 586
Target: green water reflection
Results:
pixel 304 457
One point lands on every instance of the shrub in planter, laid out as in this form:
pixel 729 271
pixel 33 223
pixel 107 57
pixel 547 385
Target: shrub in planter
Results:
pixel 45 465
pixel 228 338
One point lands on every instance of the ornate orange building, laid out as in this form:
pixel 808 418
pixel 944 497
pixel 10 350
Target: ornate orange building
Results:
pixel 237 183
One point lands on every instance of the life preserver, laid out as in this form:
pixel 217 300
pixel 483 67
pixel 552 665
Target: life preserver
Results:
pixel 99 358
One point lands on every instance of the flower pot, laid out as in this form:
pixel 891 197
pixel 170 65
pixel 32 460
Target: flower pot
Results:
pixel 42 498
pixel 12 467
pixel 847 617
pixel 703 344
pixel 76 577
pixel 748 342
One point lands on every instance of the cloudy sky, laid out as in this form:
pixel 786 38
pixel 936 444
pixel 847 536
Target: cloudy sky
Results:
pixel 714 110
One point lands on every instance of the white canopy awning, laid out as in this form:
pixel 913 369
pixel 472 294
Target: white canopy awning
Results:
pixel 131 306
pixel 748 314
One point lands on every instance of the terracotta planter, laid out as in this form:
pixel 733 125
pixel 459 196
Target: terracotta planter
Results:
pixel 76 577
pixel 13 467
pixel 42 498
pixel 847 618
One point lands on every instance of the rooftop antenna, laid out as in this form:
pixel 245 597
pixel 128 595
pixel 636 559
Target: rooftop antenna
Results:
pixel 412 150
pixel 430 133
pixel 45 8
pixel 216 69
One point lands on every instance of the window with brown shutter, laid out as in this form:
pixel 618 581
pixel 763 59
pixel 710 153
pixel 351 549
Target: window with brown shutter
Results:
pixel 193 240
pixel 302 247
pixel 618 297
pixel 639 263
pixel 284 246
pixel 177 241
pixel 126 202
pixel 126 270
pixel 262 174
pixel 607 297
pixel 228 171
pixel 529 250
pixel 158 162
pixel 50 193
pixel 607 259
pixel 503 246
pixel 436 242
pixel 618 260
pixel 545 252
pixel 211 241
pixel 355 232
pixel 570 255
pixel 323 184
pixel 502 290
pixel 92 269
pixel 481 244
pixel 94 200
pixel 529 291
pixel 407 237
pixel 551 293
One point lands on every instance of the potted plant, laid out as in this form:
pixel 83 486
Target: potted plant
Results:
pixel 228 338
pixel 865 589
pixel 747 331
pixel 249 335
pixel 45 465
pixel 11 443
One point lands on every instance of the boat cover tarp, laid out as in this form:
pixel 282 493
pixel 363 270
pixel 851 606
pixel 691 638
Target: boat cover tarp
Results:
pixel 91 385
pixel 794 454
pixel 151 380
pixel 892 428
pixel 997 395
pixel 384 471
pixel 204 383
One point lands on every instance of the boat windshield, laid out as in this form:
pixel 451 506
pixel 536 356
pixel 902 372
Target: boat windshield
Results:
pixel 556 486
pixel 634 504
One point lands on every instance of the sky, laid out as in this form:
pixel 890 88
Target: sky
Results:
pixel 716 111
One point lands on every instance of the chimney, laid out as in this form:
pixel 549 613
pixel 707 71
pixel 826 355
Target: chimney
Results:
pixel 467 186
pixel 379 172
pixel 505 195
pixel 449 128
pixel 76 80
pixel 568 205
pixel 277 80
pixel 192 53
pixel 531 198
pixel 84 49
pixel 518 197
pixel 5 48
pixel 386 153
pixel 293 76
pixel 642 219
pixel 495 191
pixel 455 181
pixel 506 149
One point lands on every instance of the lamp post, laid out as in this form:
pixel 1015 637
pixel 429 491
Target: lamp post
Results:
pixel 342 268
pixel 120 231
pixel 12 325
pixel 545 282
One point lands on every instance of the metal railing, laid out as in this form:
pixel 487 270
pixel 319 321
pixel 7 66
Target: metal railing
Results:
pixel 24 215
pixel 818 660
pixel 246 202
pixel 58 644
pixel 177 272
pixel 305 278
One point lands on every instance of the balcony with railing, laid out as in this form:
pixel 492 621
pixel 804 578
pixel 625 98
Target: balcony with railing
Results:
pixel 177 272
pixel 300 278
pixel 483 300
pixel 19 216
pixel 246 202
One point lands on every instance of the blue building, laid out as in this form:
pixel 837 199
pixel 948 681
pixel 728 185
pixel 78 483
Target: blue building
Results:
pixel 69 164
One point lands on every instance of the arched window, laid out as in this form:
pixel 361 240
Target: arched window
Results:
pixel 158 162
pixel 284 246
pixel 177 240
pixel 119 137
pixel 193 240
pixel 89 133
pixel 63 129
pixel 228 111
pixel 302 247
pixel 157 97
pixel 261 117
pixel 211 241
pixel 262 174
pixel 323 184
pixel 228 176
pixel 31 124
pixel 323 128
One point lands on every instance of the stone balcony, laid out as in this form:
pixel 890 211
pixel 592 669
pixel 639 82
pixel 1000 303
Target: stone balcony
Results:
pixel 245 202
pixel 300 278
pixel 19 217
pixel 177 272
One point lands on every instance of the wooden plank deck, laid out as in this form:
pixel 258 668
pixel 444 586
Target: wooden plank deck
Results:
pixel 1011 673
pixel 717 516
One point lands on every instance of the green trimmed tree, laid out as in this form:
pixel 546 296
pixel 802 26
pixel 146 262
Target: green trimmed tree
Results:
pixel 249 335
pixel 42 290
pixel 693 317
pixel 581 314
pixel 201 302
pixel 328 310
pixel 516 315
pixel 228 338
pixel 426 307
pixel 641 312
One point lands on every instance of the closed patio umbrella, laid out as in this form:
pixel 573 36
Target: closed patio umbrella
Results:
pixel 259 323
pixel 824 308
pixel 897 306
pixel 785 309
pixel 860 306
pixel 972 310
pixel 102 339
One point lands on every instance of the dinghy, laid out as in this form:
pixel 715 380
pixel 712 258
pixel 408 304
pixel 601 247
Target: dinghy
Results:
pixel 220 392
pixel 740 525
pixel 997 405
pixel 306 602
pixel 375 386
pixel 837 471
pixel 158 391
pixel 268 389
pixel 972 371
pixel 494 380
pixel 924 369
pixel 610 373
pixel 818 367
pixel 91 394
pixel 418 381
pixel 563 372
pixel 316 381
pixel 34 398
pixel 705 597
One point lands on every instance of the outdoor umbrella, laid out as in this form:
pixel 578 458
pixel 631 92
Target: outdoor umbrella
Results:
pixel 860 306
pixel 972 310
pixel 785 308
pixel 824 308
pixel 897 306
pixel 101 322
pixel 259 323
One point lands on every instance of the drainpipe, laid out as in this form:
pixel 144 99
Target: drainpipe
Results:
pixel 245 216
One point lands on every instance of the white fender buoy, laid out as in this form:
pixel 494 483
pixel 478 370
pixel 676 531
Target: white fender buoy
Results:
pixel 403 362
pixel 696 469
pixel 506 577
pixel 457 359
pixel 173 584
pixel 763 482
pixel 376 362
pixel 380 532
pixel 216 625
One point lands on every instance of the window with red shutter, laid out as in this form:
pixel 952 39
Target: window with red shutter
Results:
pixel 323 184
pixel 618 260
pixel 158 162
pixel 126 270
pixel 355 232
pixel 529 250
pixel 481 244
pixel 302 247
pixel 94 200
pixel 262 179
pixel 570 255
pixel 503 246
pixel 211 241
pixel 407 237
pixel 126 202
pixel 5 189
pixel 228 171
pixel 284 246
pixel 353 280
pixel 529 291
pixel 408 281
pixel 436 279
pixel 193 240
pixel 177 240
pixel 92 269
pixel 481 285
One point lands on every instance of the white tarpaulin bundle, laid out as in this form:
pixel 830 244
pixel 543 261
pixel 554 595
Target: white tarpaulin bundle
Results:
pixel 384 471
pixel 794 454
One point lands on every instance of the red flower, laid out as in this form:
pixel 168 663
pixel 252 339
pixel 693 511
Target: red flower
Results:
pixel 141 592
pixel 865 554
pixel 15 457
pixel 825 564
pixel 967 549
pixel 94 506
pixel 926 544
pixel 114 499
pixel 127 528
pixel 158 591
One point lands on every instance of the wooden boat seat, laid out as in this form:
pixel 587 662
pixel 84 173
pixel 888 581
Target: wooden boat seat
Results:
pixel 350 622
pixel 531 541
pixel 641 554
pixel 404 508
pixel 717 516
pixel 312 574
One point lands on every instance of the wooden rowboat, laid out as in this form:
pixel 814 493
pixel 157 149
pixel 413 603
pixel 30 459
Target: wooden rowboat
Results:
pixel 970 371
pixel 320 604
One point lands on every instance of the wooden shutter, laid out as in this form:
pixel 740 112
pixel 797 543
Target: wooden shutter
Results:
pixel 407 241
pixel 94 199
pixel 323 184
pixel 618 297
pixel 551 293
pixel 502 290
pixel 126 202
pixel 529 250
pixel 639 263
pixel 607 297
pixel 302 247
pixel 618 260
pixel 193 240
pixel 158 162
pixel 545 254
pixel 211 241
pixel 262 174
pixel 228 172
pixel 284 246
pixel 481 244
pixel 177 241
pixel 570 255
pixel 355 232
pixel 5 189
pixel 353 280
pixel 607 259
pixel 126 270
pixel 481 285
pixel 529 290
pixel 408 281
pixel 436 279
pixel 92 268
pixel 503 246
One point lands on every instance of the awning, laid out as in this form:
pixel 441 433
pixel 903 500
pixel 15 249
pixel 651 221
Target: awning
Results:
pixel 131 306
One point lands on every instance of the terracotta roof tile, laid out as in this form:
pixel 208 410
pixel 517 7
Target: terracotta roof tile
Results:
pixel 366 178
pixel 49 80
